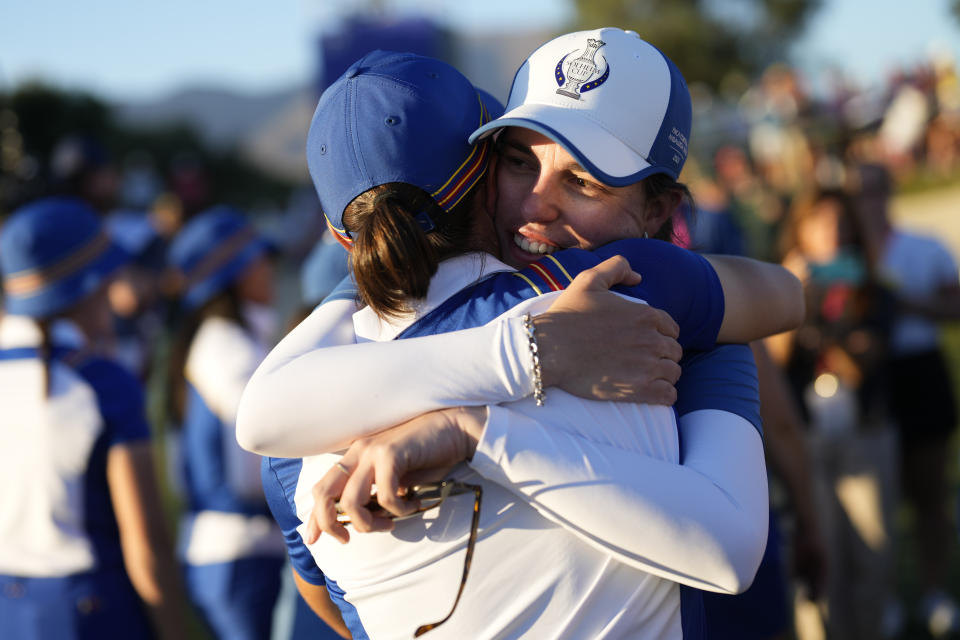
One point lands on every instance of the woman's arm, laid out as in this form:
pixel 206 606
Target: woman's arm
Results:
pixel 703 523
pixel 304 398
pixel 749 285
pixel 146 547
pixel 317 597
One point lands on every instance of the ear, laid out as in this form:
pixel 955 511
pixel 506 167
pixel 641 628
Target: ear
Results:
pixel 660 209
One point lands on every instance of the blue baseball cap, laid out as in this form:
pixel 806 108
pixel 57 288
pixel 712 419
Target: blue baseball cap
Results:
pixel 212 251
pixel 615 102
pixel 54 252
pixel 397 117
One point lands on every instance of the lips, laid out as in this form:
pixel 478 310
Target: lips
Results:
pixel 537 248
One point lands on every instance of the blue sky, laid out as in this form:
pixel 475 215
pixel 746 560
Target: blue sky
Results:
pixel 132 49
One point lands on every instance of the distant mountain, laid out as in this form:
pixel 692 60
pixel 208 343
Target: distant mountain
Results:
pixel 221 116
pixel 269 129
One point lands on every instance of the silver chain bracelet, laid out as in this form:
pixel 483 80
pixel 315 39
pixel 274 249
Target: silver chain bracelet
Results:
pixel 538 394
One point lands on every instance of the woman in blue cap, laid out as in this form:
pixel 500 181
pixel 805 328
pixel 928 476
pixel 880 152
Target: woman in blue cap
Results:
pixel 232 550
pixel 608 524
pixel 83 547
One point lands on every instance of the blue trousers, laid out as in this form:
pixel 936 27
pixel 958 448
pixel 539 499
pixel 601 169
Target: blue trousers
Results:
pixel 236 599
pixel 85 606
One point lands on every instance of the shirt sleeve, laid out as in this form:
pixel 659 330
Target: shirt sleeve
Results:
pixel 120 399
pixel 723 378
pixel 279 478
pixel 702 524
pixel 318 390
pixel 221 360
pixel 675 280
pixel 704 520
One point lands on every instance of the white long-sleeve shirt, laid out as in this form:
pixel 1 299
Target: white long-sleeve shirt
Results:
pixel 704 522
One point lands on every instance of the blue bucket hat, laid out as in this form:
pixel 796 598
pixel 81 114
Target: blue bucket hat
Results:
pixel 53 253
pixel 212 251
pixel 397 117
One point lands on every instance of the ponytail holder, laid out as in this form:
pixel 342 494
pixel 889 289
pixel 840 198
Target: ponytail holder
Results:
pixel 425 221
pixel 422 217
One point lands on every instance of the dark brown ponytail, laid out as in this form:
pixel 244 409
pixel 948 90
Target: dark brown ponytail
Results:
pixel 392 257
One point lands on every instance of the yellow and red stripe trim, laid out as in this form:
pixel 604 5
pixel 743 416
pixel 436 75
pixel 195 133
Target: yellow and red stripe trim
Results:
pixel 548 277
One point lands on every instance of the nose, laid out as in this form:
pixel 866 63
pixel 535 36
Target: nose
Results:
pixel 541 203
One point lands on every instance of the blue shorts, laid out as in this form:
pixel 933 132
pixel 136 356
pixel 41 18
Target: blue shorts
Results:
pixel 85 606
pixel 236 599
pixel 759 612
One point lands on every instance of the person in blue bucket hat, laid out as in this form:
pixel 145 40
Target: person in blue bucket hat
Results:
pixel 231 549
pixel 402 186
pixel 83 548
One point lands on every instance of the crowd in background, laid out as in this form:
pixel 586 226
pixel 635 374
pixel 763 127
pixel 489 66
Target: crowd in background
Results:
pixel 860 414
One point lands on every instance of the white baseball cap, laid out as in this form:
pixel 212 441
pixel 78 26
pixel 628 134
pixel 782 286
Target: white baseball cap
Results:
pixel 615 102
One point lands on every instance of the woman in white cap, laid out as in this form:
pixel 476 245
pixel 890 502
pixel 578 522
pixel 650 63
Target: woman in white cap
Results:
pixel 232 551
pixel 567 557
pixel 83 547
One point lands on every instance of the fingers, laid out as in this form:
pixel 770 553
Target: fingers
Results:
pixel 323 516
pixel 667 326
pixel 662 392
pixel 388 489
pixel 668 370
pixel 614 270
pixel 355 498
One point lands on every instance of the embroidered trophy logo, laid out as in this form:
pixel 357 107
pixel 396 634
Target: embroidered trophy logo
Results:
pixel 581 70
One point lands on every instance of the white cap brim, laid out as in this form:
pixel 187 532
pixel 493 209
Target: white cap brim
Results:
pixel 596 149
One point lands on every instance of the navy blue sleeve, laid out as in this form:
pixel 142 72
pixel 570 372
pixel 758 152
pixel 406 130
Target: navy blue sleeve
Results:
pixel 279 477
pixel 678 281
pixel 120 399
pixel 723 378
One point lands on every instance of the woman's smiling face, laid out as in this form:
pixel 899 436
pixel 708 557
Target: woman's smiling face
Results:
pixel 546 201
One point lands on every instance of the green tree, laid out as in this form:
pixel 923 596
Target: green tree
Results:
pixel 708 39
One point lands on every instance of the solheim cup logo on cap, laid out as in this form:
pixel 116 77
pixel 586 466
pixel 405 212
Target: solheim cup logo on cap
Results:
pixel 580 70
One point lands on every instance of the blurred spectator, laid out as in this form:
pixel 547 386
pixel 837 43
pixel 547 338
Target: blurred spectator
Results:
pixel 834 364
pixel 231 547
pixel 140 182
pixel 83 547
pixel 190 183
pixel 712 228
pixel 80 166
pixel 923 274
pixel 778 144
pixel 756 208
pixel 903 126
